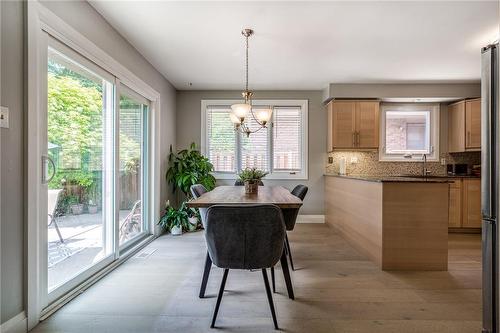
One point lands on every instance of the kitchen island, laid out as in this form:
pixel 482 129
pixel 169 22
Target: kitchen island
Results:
pixel 401 223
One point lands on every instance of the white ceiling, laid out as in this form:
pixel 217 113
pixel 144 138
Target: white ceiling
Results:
pixel 306 45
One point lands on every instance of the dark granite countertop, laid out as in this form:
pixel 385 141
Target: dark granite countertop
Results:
pixel 396 179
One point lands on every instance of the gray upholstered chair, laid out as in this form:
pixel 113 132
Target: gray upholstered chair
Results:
pixel 290 217
pixel 239 182
pixel 245 237
pixel 197 191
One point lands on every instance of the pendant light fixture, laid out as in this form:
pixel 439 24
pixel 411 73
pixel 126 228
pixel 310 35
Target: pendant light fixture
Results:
pixel 240 111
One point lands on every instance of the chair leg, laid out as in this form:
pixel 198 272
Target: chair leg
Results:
pixel 206 273
pixel 269 297
pixel 273 279
pixel 289 250
pixel 286 274
pixel 57 229
pixel 219 297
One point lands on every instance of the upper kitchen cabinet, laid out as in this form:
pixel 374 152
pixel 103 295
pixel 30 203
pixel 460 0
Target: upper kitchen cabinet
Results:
pixel 473 124
pixel 353 124
pixel 464 126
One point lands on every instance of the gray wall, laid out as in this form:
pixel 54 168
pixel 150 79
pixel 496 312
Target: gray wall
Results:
pixel 88 22
pixel 189 130
pixel 12 251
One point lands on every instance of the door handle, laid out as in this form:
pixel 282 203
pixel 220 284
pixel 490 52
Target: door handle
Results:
pixel 468 138
pixel 354 139
pixel 45 161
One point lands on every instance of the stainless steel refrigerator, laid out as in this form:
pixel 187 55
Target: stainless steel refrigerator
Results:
pixel 490 168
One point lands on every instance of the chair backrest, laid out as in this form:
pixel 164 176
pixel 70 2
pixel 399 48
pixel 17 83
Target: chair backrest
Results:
pixel 239 182
pixel 52 199
pixel 300 191
pixel 197 191
pixel 290 214
pixel 245 237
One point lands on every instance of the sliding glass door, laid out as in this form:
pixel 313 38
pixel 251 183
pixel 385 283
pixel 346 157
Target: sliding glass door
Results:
pixel 132 167
pixel 94 169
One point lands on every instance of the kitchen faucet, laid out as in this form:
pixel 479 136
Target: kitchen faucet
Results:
pixel 425 172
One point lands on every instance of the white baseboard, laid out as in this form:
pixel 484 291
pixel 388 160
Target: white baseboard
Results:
pixel 311 219
pixel 16 324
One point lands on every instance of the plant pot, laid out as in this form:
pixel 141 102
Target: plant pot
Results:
pixel 176 230
pixel 193 223
pixel 76 209
pixel 251 187
pixel 92 209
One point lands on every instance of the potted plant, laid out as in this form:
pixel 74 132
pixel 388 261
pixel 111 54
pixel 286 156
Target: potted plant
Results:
pixel 189 167
pixel 193 218
pixel 92 207
pixel 251 177
pixel 174 220
pixel 74 204
pixel 186 168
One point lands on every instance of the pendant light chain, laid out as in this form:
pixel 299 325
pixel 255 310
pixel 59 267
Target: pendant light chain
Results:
pixel 241 111
pixel 246 65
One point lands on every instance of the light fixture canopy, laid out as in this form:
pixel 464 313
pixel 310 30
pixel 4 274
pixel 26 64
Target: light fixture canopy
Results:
pixel 240 111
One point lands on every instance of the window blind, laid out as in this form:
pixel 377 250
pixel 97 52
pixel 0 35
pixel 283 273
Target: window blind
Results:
pixel 255 149
pixel 287 133
pixel 221 139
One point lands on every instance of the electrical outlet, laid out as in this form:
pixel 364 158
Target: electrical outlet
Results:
pixel 4 117
pixel 354 159
pixel 330 160
pixel 443 161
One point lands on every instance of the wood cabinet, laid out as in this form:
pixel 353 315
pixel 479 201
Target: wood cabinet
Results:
pixel 455 204
pixel 456 127
pixel 464 126
pixel 353 124
pixel 473 124
pixel 464 206
pixel 472 203
pixel 367 117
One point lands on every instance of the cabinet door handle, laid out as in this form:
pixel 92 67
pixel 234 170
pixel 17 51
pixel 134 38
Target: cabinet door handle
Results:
pixel 468 138
pixel 354 139
pixel 357 139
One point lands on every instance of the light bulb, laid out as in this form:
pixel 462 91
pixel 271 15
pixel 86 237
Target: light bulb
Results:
pixel 241 110
pixel 263 115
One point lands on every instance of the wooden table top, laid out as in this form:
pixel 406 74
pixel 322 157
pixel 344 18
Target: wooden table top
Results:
pixel 235 195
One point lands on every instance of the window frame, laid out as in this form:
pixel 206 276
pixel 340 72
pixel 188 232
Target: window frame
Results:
pixel 434 109
pixel 302 104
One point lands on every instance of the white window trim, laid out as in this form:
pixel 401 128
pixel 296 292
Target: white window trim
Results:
pixel 434 109
pixel 303 104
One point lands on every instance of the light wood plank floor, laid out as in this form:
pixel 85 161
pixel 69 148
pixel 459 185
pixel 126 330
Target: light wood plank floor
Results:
pixel 337 290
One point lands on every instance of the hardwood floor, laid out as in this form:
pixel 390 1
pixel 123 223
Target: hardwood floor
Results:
pixel 336 290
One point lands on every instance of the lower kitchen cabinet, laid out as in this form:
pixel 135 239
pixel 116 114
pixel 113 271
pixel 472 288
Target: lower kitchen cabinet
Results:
pixel 464 207
pixel 455 204
pixel 472 203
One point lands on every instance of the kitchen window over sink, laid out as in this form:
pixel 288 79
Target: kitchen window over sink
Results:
pixel 279 149
pixel 408 131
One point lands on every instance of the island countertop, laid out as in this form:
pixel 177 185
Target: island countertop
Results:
pixel 400 223
pixel 394 179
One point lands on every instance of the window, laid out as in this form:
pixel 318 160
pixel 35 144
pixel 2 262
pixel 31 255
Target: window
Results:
pixel 408 131
pixel 280 149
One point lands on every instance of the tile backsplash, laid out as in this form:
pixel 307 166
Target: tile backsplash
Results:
pixel 368 164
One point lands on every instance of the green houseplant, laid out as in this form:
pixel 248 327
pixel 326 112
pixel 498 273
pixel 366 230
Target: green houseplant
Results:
pixel 251 177
pixel 188 167
pixel 175 220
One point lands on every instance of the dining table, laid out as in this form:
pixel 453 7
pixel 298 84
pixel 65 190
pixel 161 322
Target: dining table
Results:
pixel 235 195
